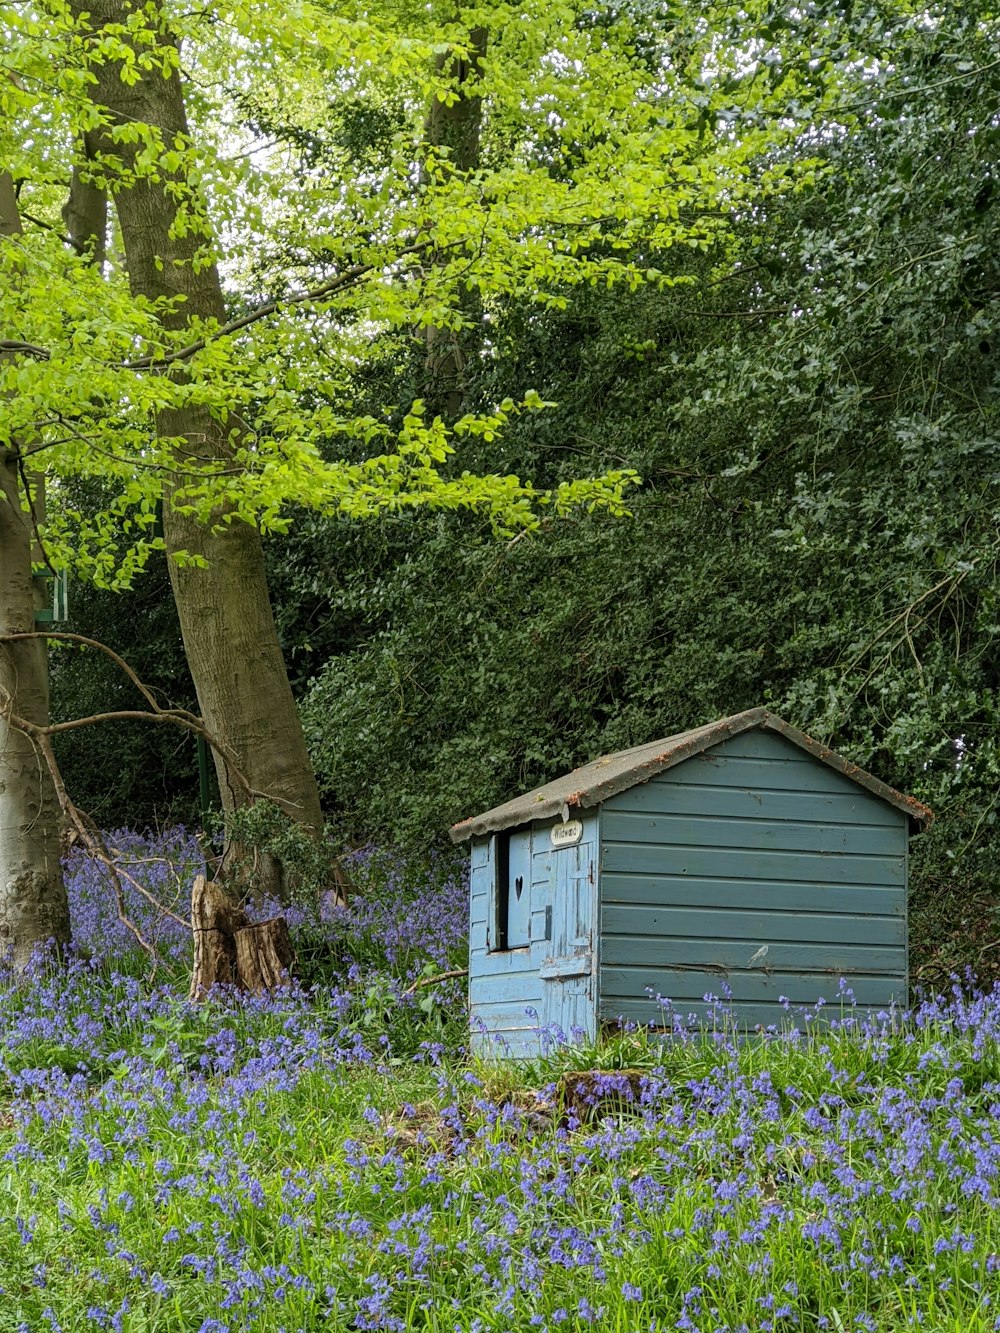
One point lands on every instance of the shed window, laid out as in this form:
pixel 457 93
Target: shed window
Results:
pixel 512 890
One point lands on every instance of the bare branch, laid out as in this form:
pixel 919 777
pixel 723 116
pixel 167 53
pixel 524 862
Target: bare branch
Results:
pixel 348 278
pixel 47 226
pixel 91 839
pixel 432 981
pixel 66 637
pixel 340 282
pixel 134 715
pixel 181 717
pixel 25 349
pixel 168 468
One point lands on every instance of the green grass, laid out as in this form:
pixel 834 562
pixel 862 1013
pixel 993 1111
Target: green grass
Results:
pixel 277 1167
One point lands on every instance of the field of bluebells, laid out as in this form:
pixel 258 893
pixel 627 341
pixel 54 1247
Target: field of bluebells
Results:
pixel 330 1158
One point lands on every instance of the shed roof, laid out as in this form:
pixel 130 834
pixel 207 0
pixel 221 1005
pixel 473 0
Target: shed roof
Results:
pixel 593 783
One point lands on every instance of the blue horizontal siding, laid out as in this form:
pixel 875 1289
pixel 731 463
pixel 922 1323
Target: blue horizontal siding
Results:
pixel 505 1043
pixel 508 1014
pixel 755 870
pixel 760 832
pixel 793 867
pixel 801 987
pixel 764 772
pixel 764 761
pixel 521 989
pixel 505 963
pixel 502 1028
pixel 737 956
pixel 800 804
pixel 740 892
pixel 721 922
pixel 745 1016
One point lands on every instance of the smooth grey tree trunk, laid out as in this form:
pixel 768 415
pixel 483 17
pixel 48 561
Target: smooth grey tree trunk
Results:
pixel 33 903
pixel 230 637
pixel 86 209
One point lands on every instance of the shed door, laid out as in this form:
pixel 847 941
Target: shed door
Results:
pixel 518 931
pixel 567 970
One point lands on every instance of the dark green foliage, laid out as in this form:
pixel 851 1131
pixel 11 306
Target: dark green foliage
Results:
pixel 125 772
pixel 263 830
pixel 868 401
pixel 955 906
pixel 815 417
pixel 500 668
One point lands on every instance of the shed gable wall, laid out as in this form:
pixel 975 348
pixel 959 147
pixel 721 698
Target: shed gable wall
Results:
pixel 752 868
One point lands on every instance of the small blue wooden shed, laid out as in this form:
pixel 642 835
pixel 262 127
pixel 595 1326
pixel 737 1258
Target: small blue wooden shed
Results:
pixel 742 857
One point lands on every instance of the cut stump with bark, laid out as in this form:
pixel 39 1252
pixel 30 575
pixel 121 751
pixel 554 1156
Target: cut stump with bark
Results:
pixel 229 950
pixel 264 955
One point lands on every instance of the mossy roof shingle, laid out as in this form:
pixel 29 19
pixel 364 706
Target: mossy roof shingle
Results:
pixel 593 783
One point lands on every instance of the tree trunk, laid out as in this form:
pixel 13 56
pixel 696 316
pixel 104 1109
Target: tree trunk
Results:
pixel 86 209
pixel 215 919
pixel 455 126
pixel 33 904
pixel 265 958
pixel 229 633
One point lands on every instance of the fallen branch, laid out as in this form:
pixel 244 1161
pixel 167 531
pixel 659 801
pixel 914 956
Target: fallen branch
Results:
pixel 433 981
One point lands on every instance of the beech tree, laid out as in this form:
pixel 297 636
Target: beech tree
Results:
pixel 596 143
pixel 33 904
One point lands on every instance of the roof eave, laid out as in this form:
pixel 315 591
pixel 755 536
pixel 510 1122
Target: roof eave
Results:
pixel 909 805
pixel 522 810
pixel 514 813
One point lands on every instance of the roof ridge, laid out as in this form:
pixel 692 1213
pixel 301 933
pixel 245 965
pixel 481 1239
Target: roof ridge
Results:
pixel 613 773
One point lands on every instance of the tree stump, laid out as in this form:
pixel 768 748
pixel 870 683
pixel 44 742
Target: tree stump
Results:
pixel 215 919
pixel 588 1094
pixel 229 950
pixel 264 955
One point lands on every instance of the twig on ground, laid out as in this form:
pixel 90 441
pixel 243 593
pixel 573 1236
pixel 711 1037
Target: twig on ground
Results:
pixel 432 981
